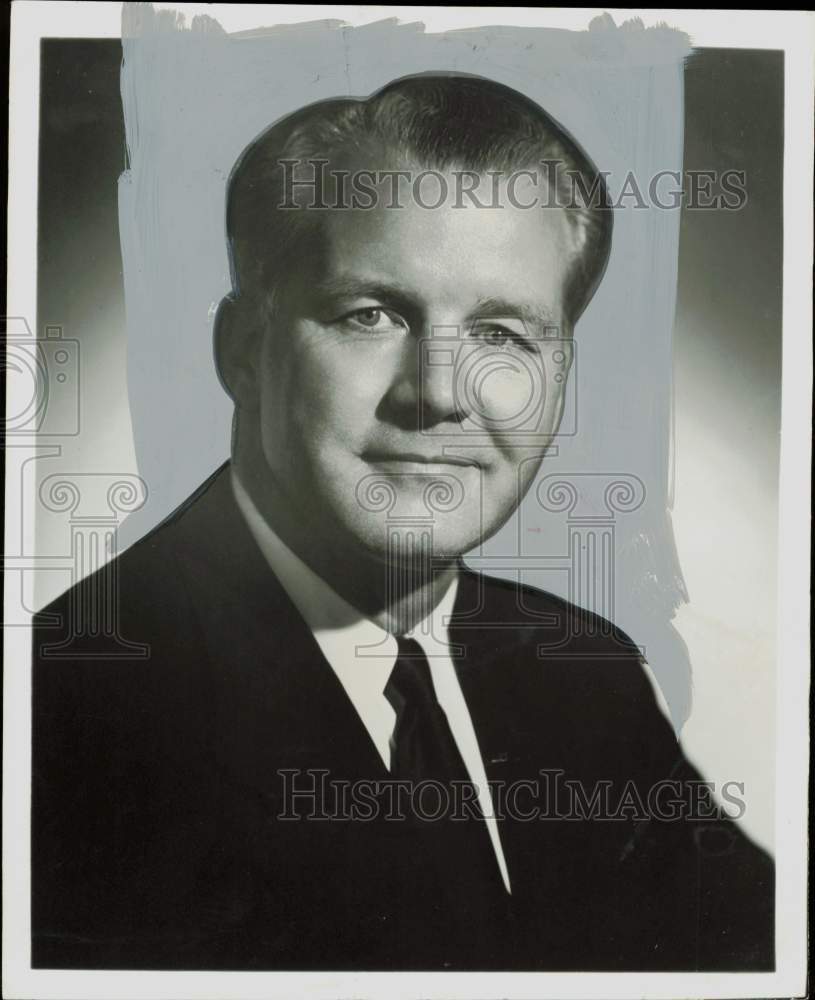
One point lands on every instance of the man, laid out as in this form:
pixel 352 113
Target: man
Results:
pixel 345 750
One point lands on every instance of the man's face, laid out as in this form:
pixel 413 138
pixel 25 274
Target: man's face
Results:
pixel 414 373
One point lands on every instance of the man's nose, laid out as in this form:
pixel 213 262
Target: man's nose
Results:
pixel 425 390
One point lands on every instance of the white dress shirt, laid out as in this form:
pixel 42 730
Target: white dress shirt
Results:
pixel 362 655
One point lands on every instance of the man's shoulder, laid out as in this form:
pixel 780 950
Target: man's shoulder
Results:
pixel 148 581
pixel 189 615
pixel 130 633
pixel 534 650
pixel 538 616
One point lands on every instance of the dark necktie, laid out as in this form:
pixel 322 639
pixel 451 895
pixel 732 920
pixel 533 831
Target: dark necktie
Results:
pixel 422 746
pixel 423 749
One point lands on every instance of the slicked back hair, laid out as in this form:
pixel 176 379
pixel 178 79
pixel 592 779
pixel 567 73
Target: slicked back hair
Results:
pixel 443 122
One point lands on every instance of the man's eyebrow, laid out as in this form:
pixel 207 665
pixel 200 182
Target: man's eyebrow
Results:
pixel 351 288
pixel 498 308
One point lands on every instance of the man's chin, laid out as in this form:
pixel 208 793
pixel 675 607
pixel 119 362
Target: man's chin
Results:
pixel 410 544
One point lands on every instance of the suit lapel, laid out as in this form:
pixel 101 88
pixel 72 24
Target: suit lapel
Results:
pixel 269 668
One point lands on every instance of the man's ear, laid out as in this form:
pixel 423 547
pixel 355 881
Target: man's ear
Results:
pixel 237 338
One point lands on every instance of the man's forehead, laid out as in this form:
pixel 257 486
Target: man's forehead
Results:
pixel 508 253
pixel 374 176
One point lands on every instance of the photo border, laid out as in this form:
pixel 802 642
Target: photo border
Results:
pixel 794 32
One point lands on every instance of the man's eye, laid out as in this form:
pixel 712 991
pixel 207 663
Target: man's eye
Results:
pixel 501 336
pixel 367 317
pixel 371 318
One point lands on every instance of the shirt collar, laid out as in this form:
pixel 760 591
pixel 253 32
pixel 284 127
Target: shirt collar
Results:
pixel 335 623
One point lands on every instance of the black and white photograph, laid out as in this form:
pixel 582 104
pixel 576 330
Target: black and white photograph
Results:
pixel 407 453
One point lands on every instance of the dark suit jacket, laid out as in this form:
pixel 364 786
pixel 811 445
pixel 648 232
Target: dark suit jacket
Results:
pixel 157 840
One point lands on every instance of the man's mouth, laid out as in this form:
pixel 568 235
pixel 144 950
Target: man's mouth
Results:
pixel 409 461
